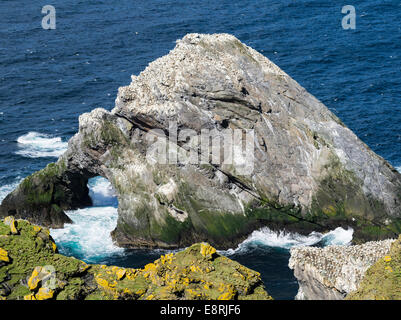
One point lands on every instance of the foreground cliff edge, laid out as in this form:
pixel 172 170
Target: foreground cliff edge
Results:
pixel 371 271
pixel 310 172
pixel 31 269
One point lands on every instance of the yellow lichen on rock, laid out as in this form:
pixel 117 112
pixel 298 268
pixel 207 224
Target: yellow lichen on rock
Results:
pixel 227 292
pixel 389 269
pixel 140 292
pixel 4 255
pixel 44 294
pixel 150 272
pixel 83 267
pixel 207 250
pixel 226 296
pixel 127 291
pixel 37 229
pixel 193 294
pixel 54 246
pixel 30 297
pixel 120 272
pixel 105 285
pixel 131 274
pixel 38 274
pixel 34 279
pixel 166 259
pixel 10 221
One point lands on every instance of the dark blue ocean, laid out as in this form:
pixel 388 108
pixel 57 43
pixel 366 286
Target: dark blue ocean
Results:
pixel 49 77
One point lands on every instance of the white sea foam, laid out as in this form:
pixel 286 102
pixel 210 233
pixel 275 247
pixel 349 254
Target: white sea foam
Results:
pixel 6 189
pixel 89 236
pixel 286 240
pixel 37 145
pixel 398 169
pixel 338 236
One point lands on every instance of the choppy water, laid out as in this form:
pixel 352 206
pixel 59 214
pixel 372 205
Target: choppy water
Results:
pixel 49 77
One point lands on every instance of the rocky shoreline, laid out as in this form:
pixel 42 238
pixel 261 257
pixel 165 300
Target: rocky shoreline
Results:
pixel 32 269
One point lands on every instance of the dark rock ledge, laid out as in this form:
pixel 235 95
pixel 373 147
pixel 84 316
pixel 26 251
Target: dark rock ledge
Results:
pixel 32 269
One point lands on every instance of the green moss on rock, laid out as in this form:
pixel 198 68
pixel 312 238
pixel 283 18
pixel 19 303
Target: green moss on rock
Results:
pixel 43 196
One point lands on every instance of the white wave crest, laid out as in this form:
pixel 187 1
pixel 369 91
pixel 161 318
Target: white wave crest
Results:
pixel 398 169
pixel 37 145
pixel 286 240
pixel 89 236
pixel 338 236
pixel 7 188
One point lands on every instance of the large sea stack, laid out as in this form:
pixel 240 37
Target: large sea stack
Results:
pixel 310 172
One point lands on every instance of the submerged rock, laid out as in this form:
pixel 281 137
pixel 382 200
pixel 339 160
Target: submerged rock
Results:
pixel 31 269
pixel 331 273
pixel 308 170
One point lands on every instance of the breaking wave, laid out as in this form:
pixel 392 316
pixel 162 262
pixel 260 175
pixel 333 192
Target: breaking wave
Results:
pixel 88 238
pixel 268 238
pixel 38 145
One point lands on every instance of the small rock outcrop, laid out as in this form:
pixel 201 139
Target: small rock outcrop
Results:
pixel 331 273
pixel 309 171
pixel 31 269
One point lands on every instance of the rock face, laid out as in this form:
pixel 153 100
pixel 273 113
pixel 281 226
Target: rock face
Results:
pixel 31 269
pixel 309 171
pixel 331 273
